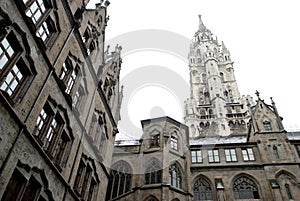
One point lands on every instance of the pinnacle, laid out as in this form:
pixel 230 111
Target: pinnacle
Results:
pixel 201 24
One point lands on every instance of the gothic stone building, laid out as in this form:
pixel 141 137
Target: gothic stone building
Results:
pixel 230 147
pixel 59 100
pixel 59 108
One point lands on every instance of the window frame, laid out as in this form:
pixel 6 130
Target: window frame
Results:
pixel 203 187
pixel 198 156
pixel 53 135
pixel 85 176
pixel 254 189
pixel 267 126
pixel 174 143
pixel 213 156
pixel 175 176
pixel 231 155
pixel 15 72
pixel 245 152
pixel 154 140
pixel 48 20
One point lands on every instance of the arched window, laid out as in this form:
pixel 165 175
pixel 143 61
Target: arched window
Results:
pixel 222 77
pixel 288 191
pixel 204 78
pixel 151 198
pixel 245 188
pixel 120 180
pixel 202 190
pixel 153 172
pixel 175 178
pixel 207 98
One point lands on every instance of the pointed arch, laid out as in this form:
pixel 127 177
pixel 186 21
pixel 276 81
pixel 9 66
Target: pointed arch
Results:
pixel 175 175
pixel 204 78
pixel 120 179
pixel 222 77
pixel 151 198
pixel 245 187
pixel 285 172
pixel 202 188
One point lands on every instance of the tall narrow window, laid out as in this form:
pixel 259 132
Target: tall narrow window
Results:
pixel 245 188
pixel 248 154
pixel 13 70
pixel 298 149
pixel 213 156
pixel 230 155
pixel 78 96
pixel 222 77
pixel 276 154
pixel 68 75
pixel 196 156
pixel 174 143
pixel 202 190
pixel 154 140
pixel 14 187
pixel 86 180
pixel 175 178
pixel 288 191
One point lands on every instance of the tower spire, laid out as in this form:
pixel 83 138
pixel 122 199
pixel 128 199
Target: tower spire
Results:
pixel 201 24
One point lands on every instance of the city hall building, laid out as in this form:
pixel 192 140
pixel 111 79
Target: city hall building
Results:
pixel 60 102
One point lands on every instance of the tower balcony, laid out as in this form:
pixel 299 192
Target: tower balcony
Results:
pixel 209 116
pixel 236 115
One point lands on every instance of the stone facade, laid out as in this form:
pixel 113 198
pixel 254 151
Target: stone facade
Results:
pixel 230 147
pixel 59 100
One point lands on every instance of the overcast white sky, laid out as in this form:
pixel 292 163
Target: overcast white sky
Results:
pixel 262 36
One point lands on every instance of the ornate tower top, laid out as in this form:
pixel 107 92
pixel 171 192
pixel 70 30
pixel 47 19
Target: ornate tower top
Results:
pixel 215 102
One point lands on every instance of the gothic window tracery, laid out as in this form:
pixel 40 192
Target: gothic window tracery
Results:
pixel 202 190
pixel 151 198
pixel 153 173
pixel 245 188
pixel 120 179
pixel 175 178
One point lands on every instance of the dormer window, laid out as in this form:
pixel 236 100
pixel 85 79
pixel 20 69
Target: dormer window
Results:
pixel 267 126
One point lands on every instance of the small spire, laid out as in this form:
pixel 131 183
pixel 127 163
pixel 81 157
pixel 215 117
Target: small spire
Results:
pixel 224 48
pixel 201 25
pixel 273 103
pixel 257 94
